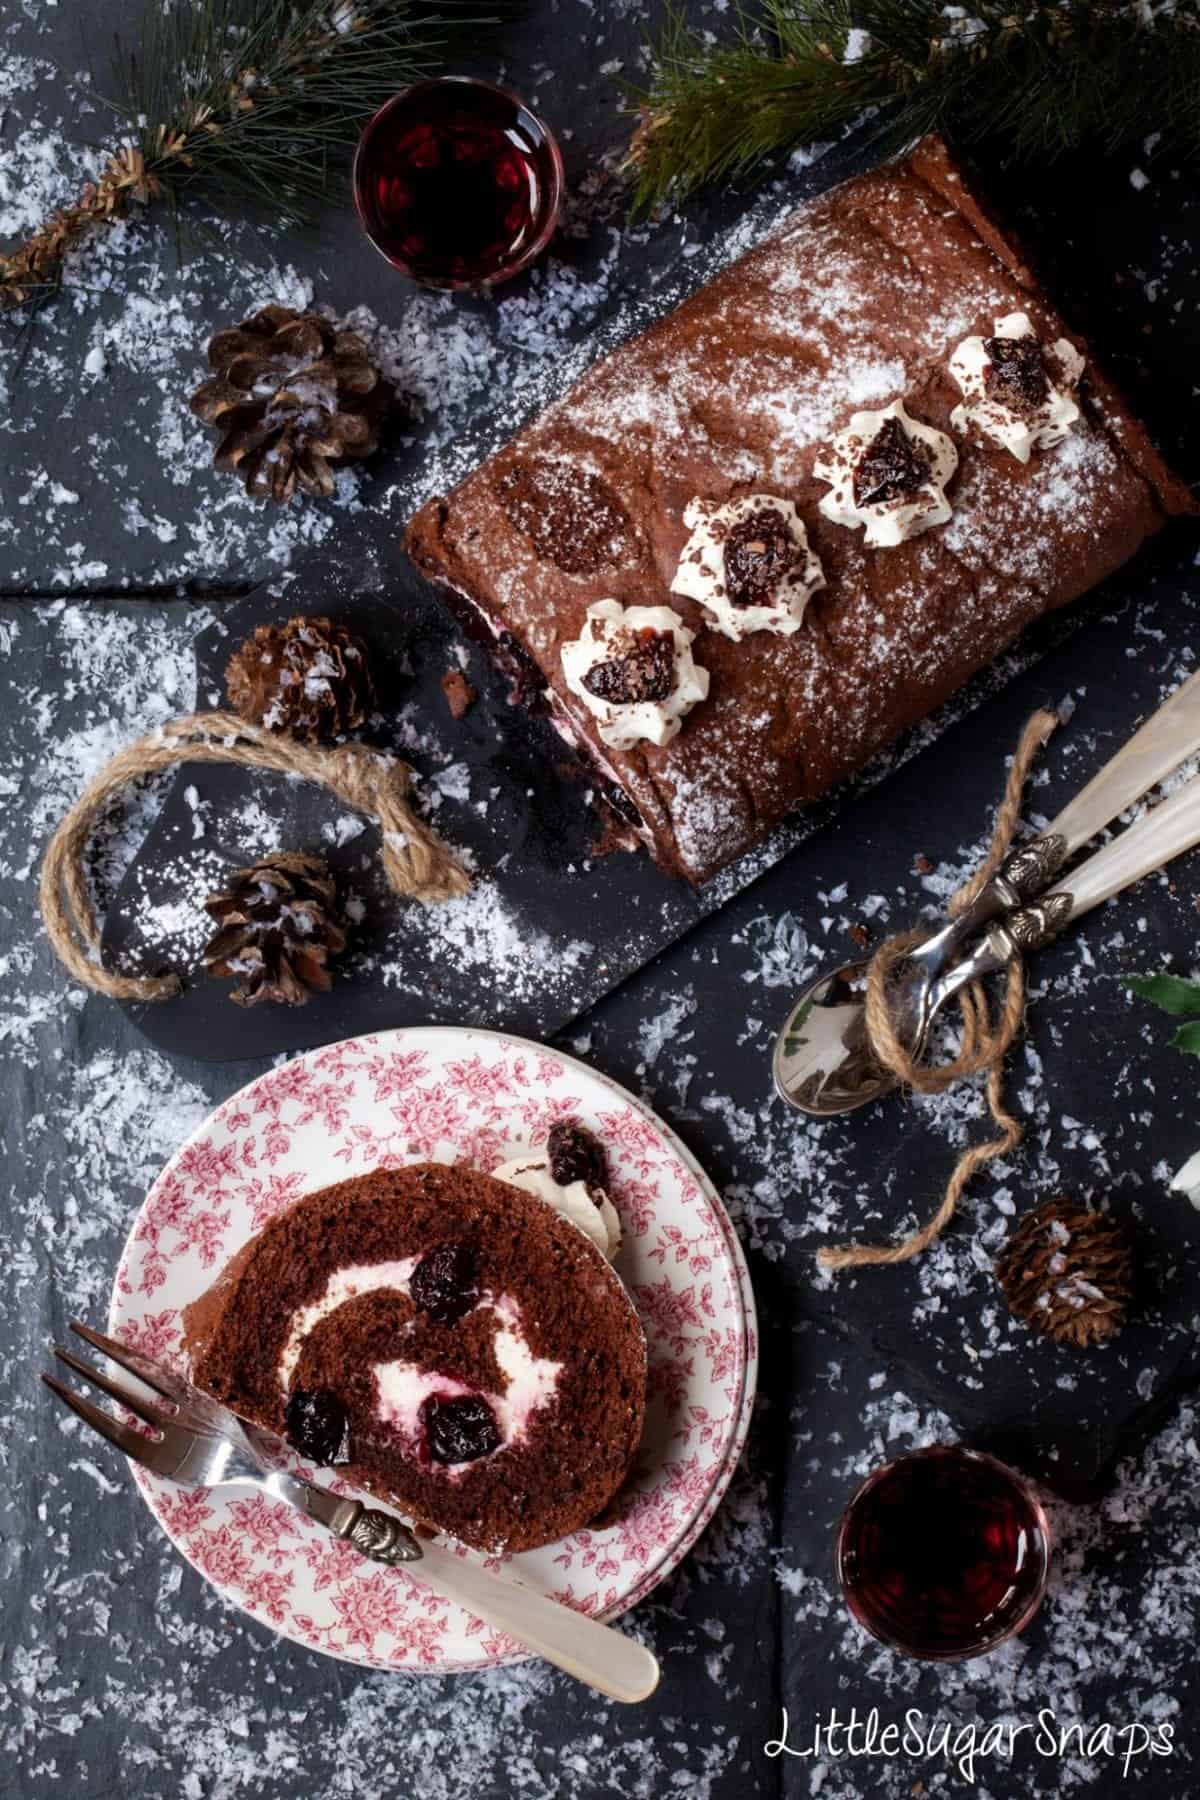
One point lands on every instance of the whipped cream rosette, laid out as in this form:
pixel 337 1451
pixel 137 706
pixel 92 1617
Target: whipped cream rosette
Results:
pixel 1015 391
pixel 887 474
pixel 570 1173
pixel 633 669
pixel 748 563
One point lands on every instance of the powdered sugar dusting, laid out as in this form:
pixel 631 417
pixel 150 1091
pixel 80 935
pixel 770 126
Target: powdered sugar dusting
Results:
pixel 123 1673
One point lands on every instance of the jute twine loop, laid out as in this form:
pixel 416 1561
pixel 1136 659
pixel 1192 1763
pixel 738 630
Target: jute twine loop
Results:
pixel 985 1038
pixel 415 860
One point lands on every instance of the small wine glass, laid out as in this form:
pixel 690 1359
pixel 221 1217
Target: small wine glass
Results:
pixel 944 1553
pixel 458 183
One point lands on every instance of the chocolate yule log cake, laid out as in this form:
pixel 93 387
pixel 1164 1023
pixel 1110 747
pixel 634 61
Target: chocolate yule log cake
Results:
pixel 756 543
pixel 448 1341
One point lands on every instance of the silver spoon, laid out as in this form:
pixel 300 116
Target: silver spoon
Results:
pixel 822 1061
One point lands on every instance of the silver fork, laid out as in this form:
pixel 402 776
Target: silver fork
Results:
pixel 199 1443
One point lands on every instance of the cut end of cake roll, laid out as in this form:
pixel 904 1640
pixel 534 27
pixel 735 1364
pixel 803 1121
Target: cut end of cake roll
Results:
pixel 448 1342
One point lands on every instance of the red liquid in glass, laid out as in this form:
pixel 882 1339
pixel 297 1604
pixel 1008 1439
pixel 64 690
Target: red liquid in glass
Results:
pixel 943 1554
pixel 457 183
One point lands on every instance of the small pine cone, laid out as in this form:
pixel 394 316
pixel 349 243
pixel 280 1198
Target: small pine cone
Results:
pixel 292 396
pixel 1067 1273
pixel 309 679
pixel 276 930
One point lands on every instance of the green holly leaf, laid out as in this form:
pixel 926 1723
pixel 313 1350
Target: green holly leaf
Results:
pixel 1187 1038
pixel 1173 994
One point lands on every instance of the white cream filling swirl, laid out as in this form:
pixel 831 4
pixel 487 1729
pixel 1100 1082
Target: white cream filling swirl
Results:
pixel 403 1386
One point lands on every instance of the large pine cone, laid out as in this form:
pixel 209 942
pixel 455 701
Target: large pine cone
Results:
pixel 277 930
pixel 308 679
pixel 1067 1272
pixel 292 396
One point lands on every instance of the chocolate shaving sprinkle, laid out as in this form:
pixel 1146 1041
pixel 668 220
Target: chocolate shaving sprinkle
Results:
pixel 573 518
pixel 892 466
pixel 759 551
pixel 1016 373
pixel 646 671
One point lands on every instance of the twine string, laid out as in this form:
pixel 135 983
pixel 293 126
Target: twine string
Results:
pixel 415 860
pixel 985 1037
pixel 420 866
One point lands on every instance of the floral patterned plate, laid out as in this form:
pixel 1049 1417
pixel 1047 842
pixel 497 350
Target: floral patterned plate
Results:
pixel 464 1096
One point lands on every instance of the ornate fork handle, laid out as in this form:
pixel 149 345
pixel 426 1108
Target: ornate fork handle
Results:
pixel 1017 934
pixel 1028 929
pixel 1025 873
pixel 1159 746
pixel 1029 870
pixel 384 1539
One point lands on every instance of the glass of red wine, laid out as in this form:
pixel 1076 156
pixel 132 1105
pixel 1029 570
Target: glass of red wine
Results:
pixel 944 1554
pixel 458 183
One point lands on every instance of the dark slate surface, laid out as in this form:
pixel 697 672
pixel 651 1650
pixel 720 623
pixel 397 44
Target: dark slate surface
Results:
pixel 122 1673
pixel 518 805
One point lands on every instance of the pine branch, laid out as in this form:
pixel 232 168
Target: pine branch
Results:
pixel 1042 75
pixel 242 100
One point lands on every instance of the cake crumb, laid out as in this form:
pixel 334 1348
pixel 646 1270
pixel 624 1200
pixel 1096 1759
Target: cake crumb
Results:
pixel 460 695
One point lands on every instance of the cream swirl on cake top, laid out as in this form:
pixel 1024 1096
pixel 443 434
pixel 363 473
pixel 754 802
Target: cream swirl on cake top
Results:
pixel 888 473
pixel 1009 391
pixel 633 669
pixel 570 1172
pixel 589 1209
pixel 748 564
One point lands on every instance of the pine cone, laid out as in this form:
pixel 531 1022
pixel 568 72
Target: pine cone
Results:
pixel 1067 1273
pixel 277 930
pixel 292 395
pixel 309 679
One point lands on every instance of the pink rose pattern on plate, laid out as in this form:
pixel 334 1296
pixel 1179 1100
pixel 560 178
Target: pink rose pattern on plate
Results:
pixel 467 1096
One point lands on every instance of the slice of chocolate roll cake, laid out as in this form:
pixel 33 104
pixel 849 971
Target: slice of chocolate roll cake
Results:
pixel 453 1344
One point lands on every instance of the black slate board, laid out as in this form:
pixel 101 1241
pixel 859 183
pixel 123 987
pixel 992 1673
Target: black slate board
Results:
pixel 551 926
pixel 1065 1423
pixel 1109 1108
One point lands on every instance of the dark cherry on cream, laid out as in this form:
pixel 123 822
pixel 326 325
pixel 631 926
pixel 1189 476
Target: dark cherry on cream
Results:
pixel 891 466
pixel 317 1425
pixel 1016 373
pixel 445 1283
pixel 645 671
pixel 759 551
pixel 460 1429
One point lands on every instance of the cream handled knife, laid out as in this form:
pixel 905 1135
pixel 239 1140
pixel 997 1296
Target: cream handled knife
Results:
pixel 1149 844
pixel 1167 738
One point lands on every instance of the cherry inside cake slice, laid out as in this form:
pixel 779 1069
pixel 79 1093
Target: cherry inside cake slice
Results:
pixel 448 1341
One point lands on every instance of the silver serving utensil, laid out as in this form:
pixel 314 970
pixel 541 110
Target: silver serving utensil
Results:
pixel 1169 831
pixel 198 1443
pixel 822 1062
